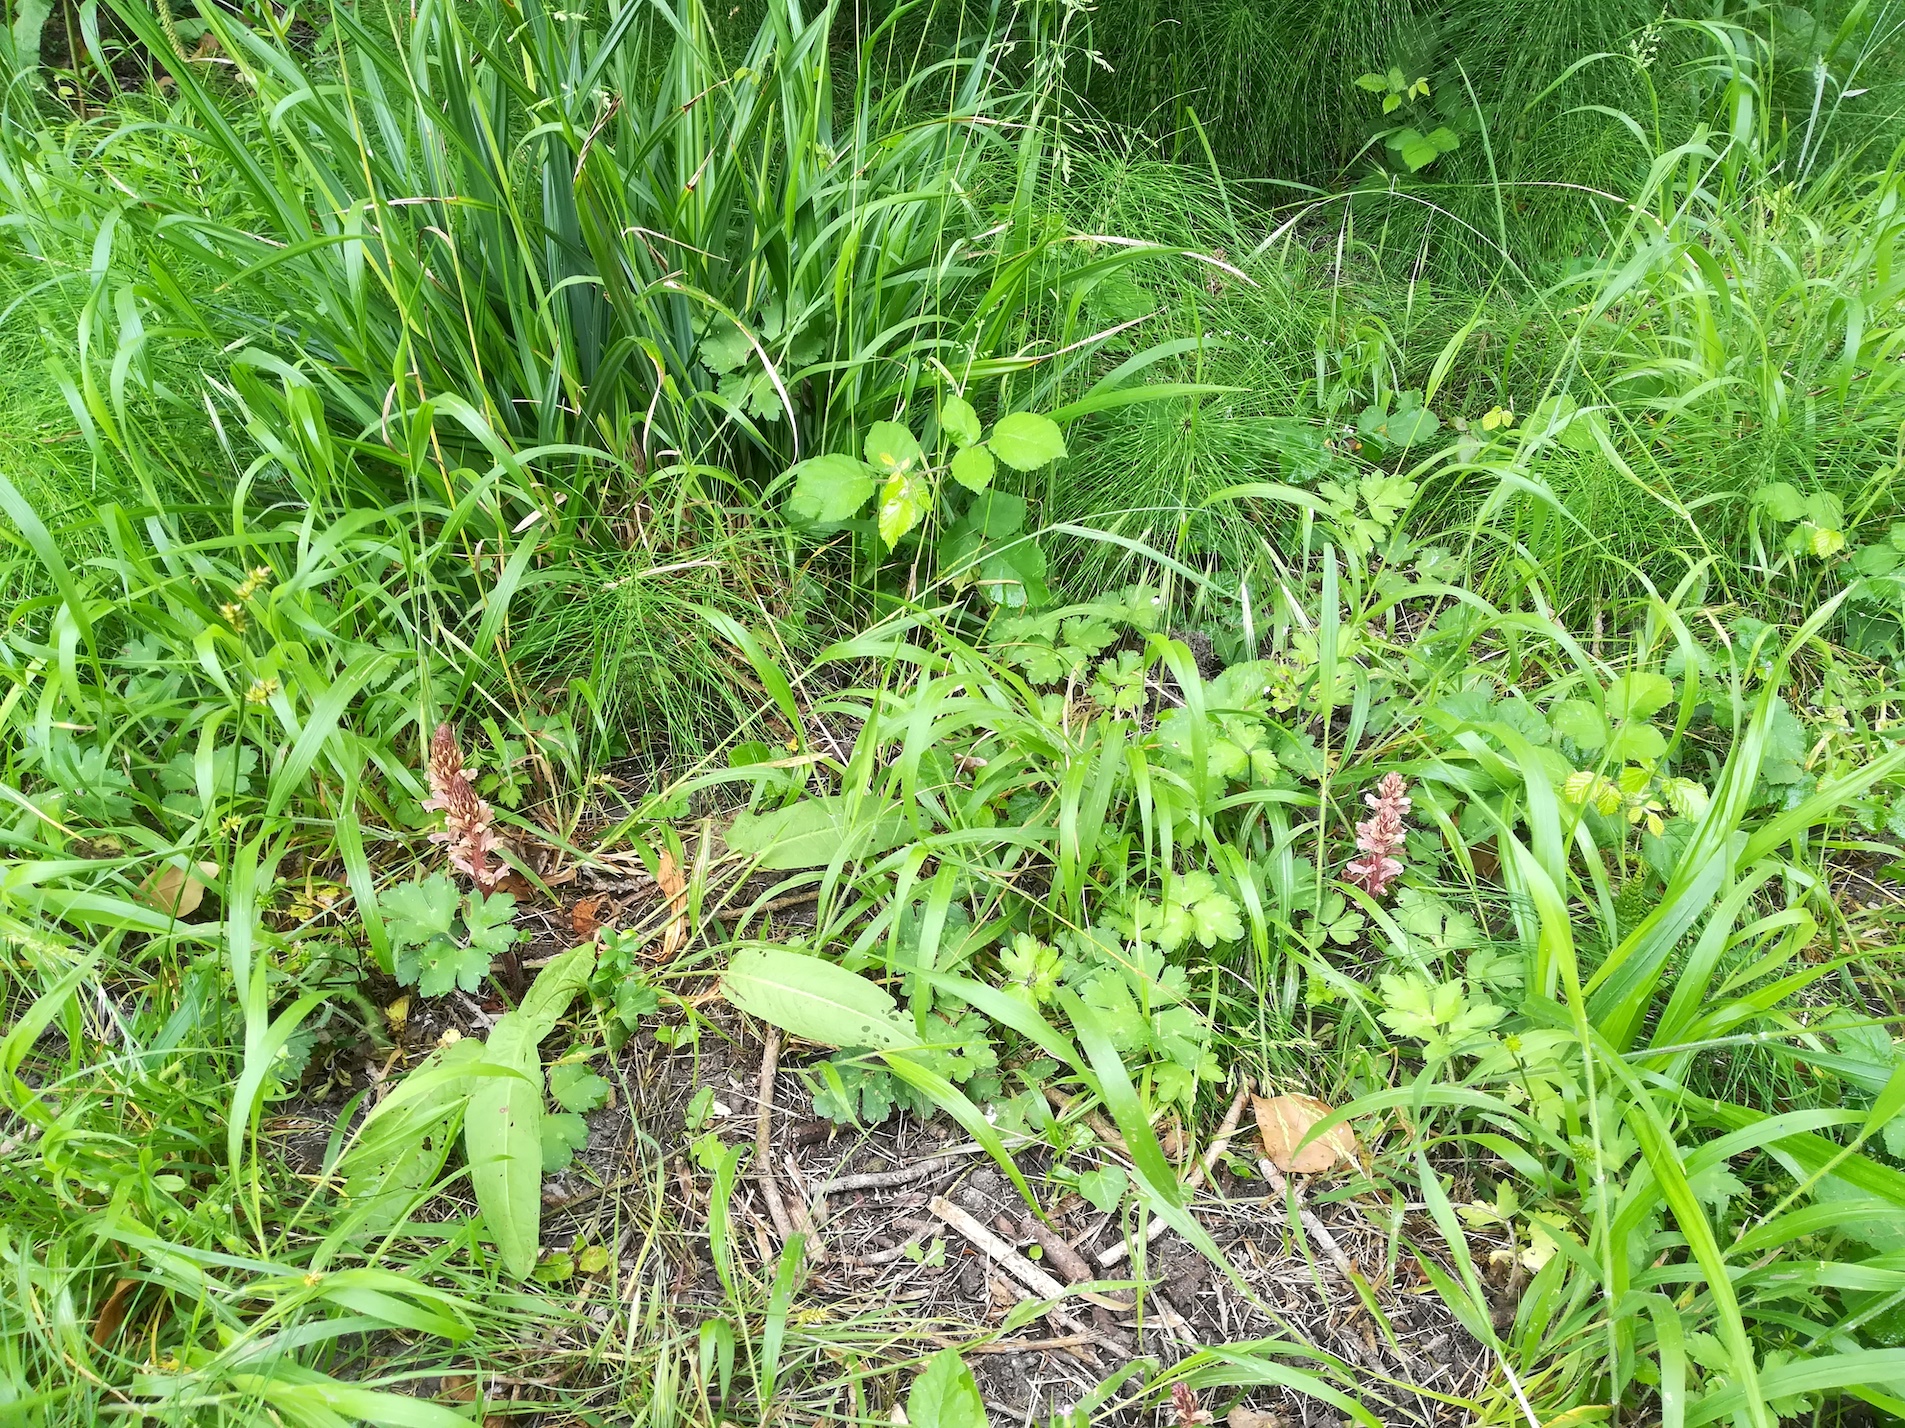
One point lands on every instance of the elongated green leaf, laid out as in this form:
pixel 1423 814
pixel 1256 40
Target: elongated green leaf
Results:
pixel 814 999
pixel 502 1136
pixel 502 1127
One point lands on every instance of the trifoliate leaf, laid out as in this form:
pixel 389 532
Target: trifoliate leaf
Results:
pixel 575 1087
pixel 440 964
pixel 489 920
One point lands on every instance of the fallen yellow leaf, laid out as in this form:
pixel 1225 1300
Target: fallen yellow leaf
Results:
pixel 176 889
pixel 1283 1121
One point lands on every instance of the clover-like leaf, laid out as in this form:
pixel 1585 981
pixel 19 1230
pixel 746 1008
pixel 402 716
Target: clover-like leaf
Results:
pixel 574 1087
pixel 490 920
pixel 440 964
pixel 563 1135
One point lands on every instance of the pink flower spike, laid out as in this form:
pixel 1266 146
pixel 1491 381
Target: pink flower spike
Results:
pixel 1380 836
pixel 469 833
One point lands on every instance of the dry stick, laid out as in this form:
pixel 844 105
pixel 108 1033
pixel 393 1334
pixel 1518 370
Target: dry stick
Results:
pixel 887 1256
pixel 1116 1252
pixel 801 1214
pixel 1007 1258
pixel 1030 1346
pixel 1310 1222
pixel 1063 1257
pixel 764 1137
pixel 885 1179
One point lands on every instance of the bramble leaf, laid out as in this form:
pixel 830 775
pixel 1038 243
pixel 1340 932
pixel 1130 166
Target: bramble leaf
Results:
pixel 830 488
pixel 1026 441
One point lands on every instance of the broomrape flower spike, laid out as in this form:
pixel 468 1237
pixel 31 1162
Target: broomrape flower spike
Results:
pixel 1380 837
pixel 469 832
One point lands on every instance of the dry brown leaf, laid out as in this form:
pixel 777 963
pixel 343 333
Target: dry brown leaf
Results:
pixel 113 1312
pixel 1283 1121
pixel 586 916
pixel 176 889
pixel 675 888
pixel 1241 1417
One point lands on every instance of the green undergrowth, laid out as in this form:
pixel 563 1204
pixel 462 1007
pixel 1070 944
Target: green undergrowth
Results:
pixel 1374 571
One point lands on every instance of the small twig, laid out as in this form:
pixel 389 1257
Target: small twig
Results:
pixel 1199 1171
pixel 779 904
pixel 886 1179
pixel 887 1256
pixel 764 1137
pixel 1066 1260
pixel 1031 1346
pixel 1311 1223
pixel 1009 1259
pixel 805 1218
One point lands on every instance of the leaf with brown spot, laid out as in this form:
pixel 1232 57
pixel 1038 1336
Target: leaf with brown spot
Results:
pixel 1283 1121
pixel 176 889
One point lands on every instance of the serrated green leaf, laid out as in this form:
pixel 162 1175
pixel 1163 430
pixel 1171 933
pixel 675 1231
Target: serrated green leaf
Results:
pixel 830 488
pixel 726 350
pixel 1579 720
pixel 973 468
pixel 1639 695
pixel 893 449
pixel 441 964
pixel 1780 500
pixel 416 912
pixel 902 503
pixel 1026 441
pixel 959 421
